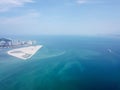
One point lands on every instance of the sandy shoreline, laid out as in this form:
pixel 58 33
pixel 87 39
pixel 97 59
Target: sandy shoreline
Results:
pixel 25 52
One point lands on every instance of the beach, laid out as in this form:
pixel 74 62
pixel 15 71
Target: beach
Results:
pixel 25 52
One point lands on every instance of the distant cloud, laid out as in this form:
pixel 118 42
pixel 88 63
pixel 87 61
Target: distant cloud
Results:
pixel 28 17
pixel 27 23
pixel 74 2
pixel 89 1
pixel 82 1
pixel 6 5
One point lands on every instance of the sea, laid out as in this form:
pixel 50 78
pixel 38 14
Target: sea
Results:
pixel 64 63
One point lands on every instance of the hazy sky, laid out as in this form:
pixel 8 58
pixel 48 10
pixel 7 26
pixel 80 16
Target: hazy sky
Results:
pixel 60 17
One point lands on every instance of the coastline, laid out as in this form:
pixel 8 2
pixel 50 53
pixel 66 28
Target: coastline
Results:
pixel 25 52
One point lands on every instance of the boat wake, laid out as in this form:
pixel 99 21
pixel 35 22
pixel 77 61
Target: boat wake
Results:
pixel 52 55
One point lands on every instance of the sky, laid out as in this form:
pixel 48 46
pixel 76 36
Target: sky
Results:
pixel 59 17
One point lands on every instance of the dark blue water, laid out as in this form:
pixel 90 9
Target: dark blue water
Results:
pixel 64 63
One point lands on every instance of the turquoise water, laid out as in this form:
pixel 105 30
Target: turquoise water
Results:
pixel 64 63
